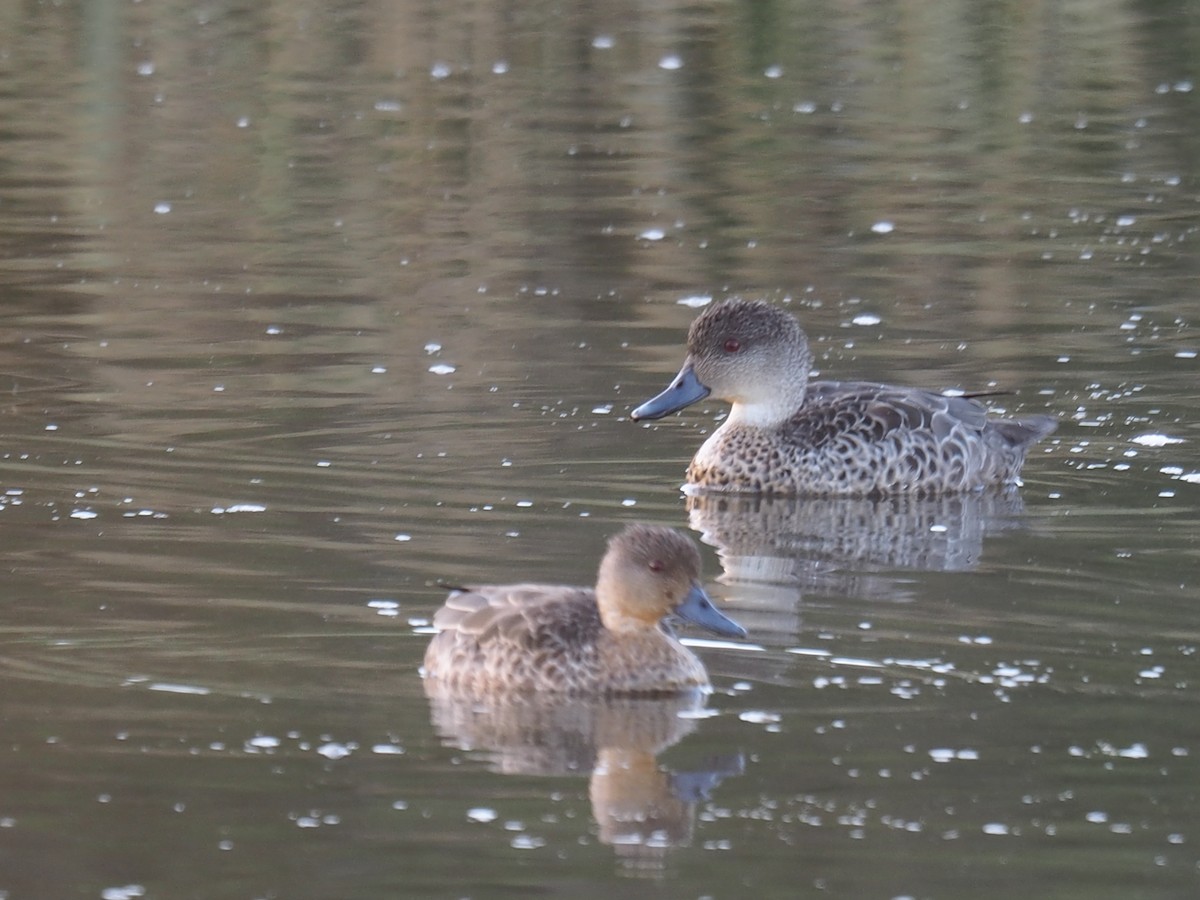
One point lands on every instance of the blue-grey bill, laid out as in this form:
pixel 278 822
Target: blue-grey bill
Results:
pixel 699 610
pixel 685 390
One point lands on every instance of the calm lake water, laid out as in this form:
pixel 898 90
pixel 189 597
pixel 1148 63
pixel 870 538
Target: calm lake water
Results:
pixel 310 307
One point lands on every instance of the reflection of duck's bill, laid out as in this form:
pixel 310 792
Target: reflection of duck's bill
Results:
pixel 699 610
pixel 685 390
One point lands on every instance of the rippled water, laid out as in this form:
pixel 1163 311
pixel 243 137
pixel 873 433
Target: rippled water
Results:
pixel 309 309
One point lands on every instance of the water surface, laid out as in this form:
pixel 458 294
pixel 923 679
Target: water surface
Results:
pixel 308 308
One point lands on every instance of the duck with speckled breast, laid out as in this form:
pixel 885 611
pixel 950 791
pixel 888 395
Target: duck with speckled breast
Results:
pixel 787 435
pixel 558 640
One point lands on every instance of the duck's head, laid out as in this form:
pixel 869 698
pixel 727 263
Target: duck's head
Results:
pixel 650 572
pixel 747 352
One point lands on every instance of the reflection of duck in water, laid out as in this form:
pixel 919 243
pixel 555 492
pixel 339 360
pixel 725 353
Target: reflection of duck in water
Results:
pixel 775 549
pixel 641 809
pixel 504 639
pixel 560 679
pixel 785 435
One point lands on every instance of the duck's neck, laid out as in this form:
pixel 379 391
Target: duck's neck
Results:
pixel 765 412
pixel 622 623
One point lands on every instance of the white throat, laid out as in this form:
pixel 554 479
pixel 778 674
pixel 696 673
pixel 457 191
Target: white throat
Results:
pixel 760 413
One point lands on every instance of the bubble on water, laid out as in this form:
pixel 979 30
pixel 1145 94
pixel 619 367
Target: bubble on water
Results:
pixel 866 319
pixel 947 754
pixel 527 842
pixel 1155 440
pixel 695 301
pixel 387 749
pixel 1185 354
pixel 124 892
pixel 439 70
pixel 169 688
pixel 263 742
pixel 145 68
pixel 482 814
pixel 500 67
pixel 604 42
pixel 1096 817
pixel 883 227
pixel 162 207
pixel 443 369
pixel 1125 221
pixel 671 62
pixel 652 234
pixel 403 538
pixel 805 107
pixel 759 717
pixel 602 410
pixel 83 514
pixel 773 71
pixel 998 828
pixel 335 750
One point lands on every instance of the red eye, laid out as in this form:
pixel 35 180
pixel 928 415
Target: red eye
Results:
pixel 656 566
pixel 732 345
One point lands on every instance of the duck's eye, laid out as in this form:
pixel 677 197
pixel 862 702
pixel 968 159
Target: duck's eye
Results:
pixel 657 565
pixel 732 345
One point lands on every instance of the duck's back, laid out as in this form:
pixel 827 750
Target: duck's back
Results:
pixel 860 438
pixel 538 638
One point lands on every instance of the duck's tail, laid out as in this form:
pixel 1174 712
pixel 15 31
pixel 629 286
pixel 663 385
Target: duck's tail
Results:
pixel 1024 433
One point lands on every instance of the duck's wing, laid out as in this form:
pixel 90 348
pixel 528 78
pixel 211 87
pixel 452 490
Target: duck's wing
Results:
pixel 510 612
pixel 867 411
pixel 841 409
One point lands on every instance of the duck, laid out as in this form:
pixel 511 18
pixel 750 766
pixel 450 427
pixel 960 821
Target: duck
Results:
pixel 610 640
pixel 786 435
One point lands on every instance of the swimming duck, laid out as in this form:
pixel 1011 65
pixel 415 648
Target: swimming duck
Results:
pixel 608 640
pixel 786 435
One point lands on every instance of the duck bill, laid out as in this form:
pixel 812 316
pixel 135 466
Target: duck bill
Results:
pixel 685 390
pixel 699 610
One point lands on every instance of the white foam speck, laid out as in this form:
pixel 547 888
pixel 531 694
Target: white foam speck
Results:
pixel 866 319
pixel 168 688
pixel 759 717
pixel 883 227
pixel 1155 440
pixel 442 369
pixel 696 301
pixel 671 62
